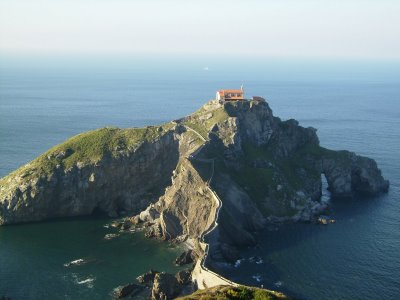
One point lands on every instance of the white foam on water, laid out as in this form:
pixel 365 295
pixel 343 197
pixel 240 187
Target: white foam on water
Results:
pixel 237 263
pixel 88 282
pixel 76 262
pixel 278 283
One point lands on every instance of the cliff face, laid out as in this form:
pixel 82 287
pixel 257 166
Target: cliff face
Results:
pixel 261 168
pixel 121 179
pixel 349 174
pixel 187 207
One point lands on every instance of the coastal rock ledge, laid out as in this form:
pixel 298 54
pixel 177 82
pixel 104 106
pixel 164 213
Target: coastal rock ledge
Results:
pixel 231 161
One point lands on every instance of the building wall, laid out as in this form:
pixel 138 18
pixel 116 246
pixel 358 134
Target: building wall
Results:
pixel 230 96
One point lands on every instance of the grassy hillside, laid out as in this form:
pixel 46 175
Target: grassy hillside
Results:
pixel 234 293
pixel 203 120
pixel 89 147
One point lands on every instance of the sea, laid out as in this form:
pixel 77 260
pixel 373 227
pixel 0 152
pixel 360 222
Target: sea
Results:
pixel 354 105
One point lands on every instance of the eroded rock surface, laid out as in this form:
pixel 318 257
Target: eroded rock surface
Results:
pixel 165 287
pixel 230 163
pixel 173 177
pixel 122 181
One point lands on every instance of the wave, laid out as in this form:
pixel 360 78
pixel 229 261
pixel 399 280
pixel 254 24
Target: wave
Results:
pixel 76 262
pixel 88 281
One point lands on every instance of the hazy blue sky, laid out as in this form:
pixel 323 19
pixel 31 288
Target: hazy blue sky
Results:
pixel 265 28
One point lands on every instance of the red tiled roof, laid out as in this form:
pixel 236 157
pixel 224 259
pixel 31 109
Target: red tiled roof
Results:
pixel 223 92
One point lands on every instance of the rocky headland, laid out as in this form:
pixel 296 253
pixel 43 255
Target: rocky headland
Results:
pixel 212 178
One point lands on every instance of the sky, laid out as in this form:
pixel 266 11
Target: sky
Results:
pixel 344 29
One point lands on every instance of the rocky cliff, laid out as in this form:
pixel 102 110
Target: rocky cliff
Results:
pixel 263 169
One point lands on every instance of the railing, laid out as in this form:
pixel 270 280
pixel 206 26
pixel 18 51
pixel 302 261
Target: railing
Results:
pixel 212 228
pixel 207 246
pixel 215 222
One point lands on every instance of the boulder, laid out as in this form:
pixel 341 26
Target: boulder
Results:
pixel 153 231
pixel 149 215
pixel 325 220
pixel 165 287
pixel 147 278
pixel 130 290
pixel 126 225
pixel 183 277
pixel 185 258
pixel 135 220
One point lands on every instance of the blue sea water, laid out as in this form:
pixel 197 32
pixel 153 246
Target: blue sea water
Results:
pixel 354 106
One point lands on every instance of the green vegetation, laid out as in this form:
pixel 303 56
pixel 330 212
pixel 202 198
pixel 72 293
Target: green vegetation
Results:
pixel 89 147
pixel 342 154
pixel 196 139
pixel 256 181
pixel 261 182
pixel 198 127
pixel 201 124
pixel 234 293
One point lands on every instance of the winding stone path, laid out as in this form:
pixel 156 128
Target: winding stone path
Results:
pixel 203 276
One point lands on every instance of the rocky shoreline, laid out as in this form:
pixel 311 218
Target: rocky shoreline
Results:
pixel 167 178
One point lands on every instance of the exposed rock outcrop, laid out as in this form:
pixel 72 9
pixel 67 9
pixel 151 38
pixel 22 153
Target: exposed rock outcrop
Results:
pixel 148 277
pixel 349 174
pixel 261 168
pixel 187 257
pixel 124 180
pixel 130 290
pixel 183 277
pixel 165 287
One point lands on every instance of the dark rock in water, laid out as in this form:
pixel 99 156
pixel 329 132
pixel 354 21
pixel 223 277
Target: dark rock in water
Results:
pixel 183 277
pixel 349 174
pixel 147 278
pixel 110 236
pixel 230 253
pixel 149 215
pixel 126 225
pixel 325 220
pixel 130 290
pixel 135 220
pixel 165 287
pixel 185 258
pixel 153 231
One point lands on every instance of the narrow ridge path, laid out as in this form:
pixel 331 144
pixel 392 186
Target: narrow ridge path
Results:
pixel 203 276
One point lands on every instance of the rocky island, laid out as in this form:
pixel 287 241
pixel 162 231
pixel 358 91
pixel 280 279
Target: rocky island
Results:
pixel 211 179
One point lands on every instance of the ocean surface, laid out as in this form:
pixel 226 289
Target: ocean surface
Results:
pixel 354 106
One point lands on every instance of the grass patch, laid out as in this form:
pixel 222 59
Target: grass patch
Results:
pixel 261 182
pixel 88 147
pixel 234 293
pixel 257 182
pixel 200 128
pixel 203 125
